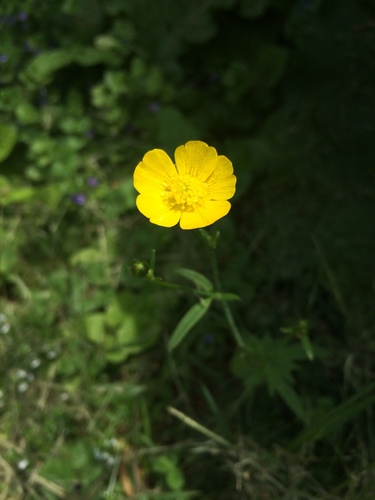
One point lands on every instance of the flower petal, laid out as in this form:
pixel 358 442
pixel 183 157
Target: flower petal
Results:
pixel 196 159
pixel 222 182
pixel 205 215
pixel 157 211
pixel 155 168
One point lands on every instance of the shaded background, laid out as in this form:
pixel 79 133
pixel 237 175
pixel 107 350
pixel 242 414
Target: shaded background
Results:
pixel 286 90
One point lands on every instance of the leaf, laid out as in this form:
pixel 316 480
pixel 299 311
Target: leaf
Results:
pixel 130 329
pixel 8 139
pixel 27 114
pixel 187 322
pixel 306 344
pixel 174 128
pixel 338 416
pixel 17 195
pixel 197 278
pixel 86 256
pixel 291 399
pixel 95 327
pixel 226 296
pixel 42 67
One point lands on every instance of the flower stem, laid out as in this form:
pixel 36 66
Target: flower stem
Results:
pixel 211 245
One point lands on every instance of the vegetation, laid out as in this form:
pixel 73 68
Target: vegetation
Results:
pixel 139 361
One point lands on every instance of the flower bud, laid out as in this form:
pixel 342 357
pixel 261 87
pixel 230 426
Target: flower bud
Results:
pixel 140 268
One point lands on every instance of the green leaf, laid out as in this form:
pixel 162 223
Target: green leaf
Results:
pixel 188 321
pixel 8 139
pixel 130 330
pixel 42 67
pixel 338 416
pixel 174 128
pixel 86 256
pixel 175 479
pixel 228 297
pixel 17 195
pixel 27 114
pixel 272 362
pixel 291 399
pixel 307 347
pixel 95 327
pixel 197 278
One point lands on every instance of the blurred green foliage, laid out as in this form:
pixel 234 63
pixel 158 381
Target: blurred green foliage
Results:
pixel 90 354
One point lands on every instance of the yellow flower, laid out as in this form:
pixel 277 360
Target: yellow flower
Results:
pixel 193 192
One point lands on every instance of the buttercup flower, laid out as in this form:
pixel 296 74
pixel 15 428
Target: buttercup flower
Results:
pixel 194 192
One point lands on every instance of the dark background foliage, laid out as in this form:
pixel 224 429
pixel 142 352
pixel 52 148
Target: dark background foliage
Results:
pixel 285 89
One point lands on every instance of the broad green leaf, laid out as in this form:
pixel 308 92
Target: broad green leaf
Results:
pixel 191 318
pixel 8 139
pixel 42 67
pixel 95 327
pixel 27 114
pixel 175 479
pixel 17 195
pixel 86 256
pixel 197 278
pixel 130 329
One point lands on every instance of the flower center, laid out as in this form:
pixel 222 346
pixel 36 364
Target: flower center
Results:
pixel 184 193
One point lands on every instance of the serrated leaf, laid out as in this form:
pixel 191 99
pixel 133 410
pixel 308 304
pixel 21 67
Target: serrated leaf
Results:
pixel 191 318
pixel 197 278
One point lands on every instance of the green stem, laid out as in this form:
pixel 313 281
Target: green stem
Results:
pixel 226 309
pixel 174 286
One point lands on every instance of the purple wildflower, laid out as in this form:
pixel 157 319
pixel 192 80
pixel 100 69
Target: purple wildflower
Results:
pixel 78 198
pixel 3 58
pixel 90 134
pixel 22 16
pixel 92 181
pixel 154 107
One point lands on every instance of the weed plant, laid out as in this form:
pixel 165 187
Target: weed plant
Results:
pixel 139 361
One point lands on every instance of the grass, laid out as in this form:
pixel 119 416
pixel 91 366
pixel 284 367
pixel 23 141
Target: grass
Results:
pixel 112 386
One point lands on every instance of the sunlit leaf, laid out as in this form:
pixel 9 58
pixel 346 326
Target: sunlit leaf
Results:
pixel 197 278
pixel 191 318
pixel 8 139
